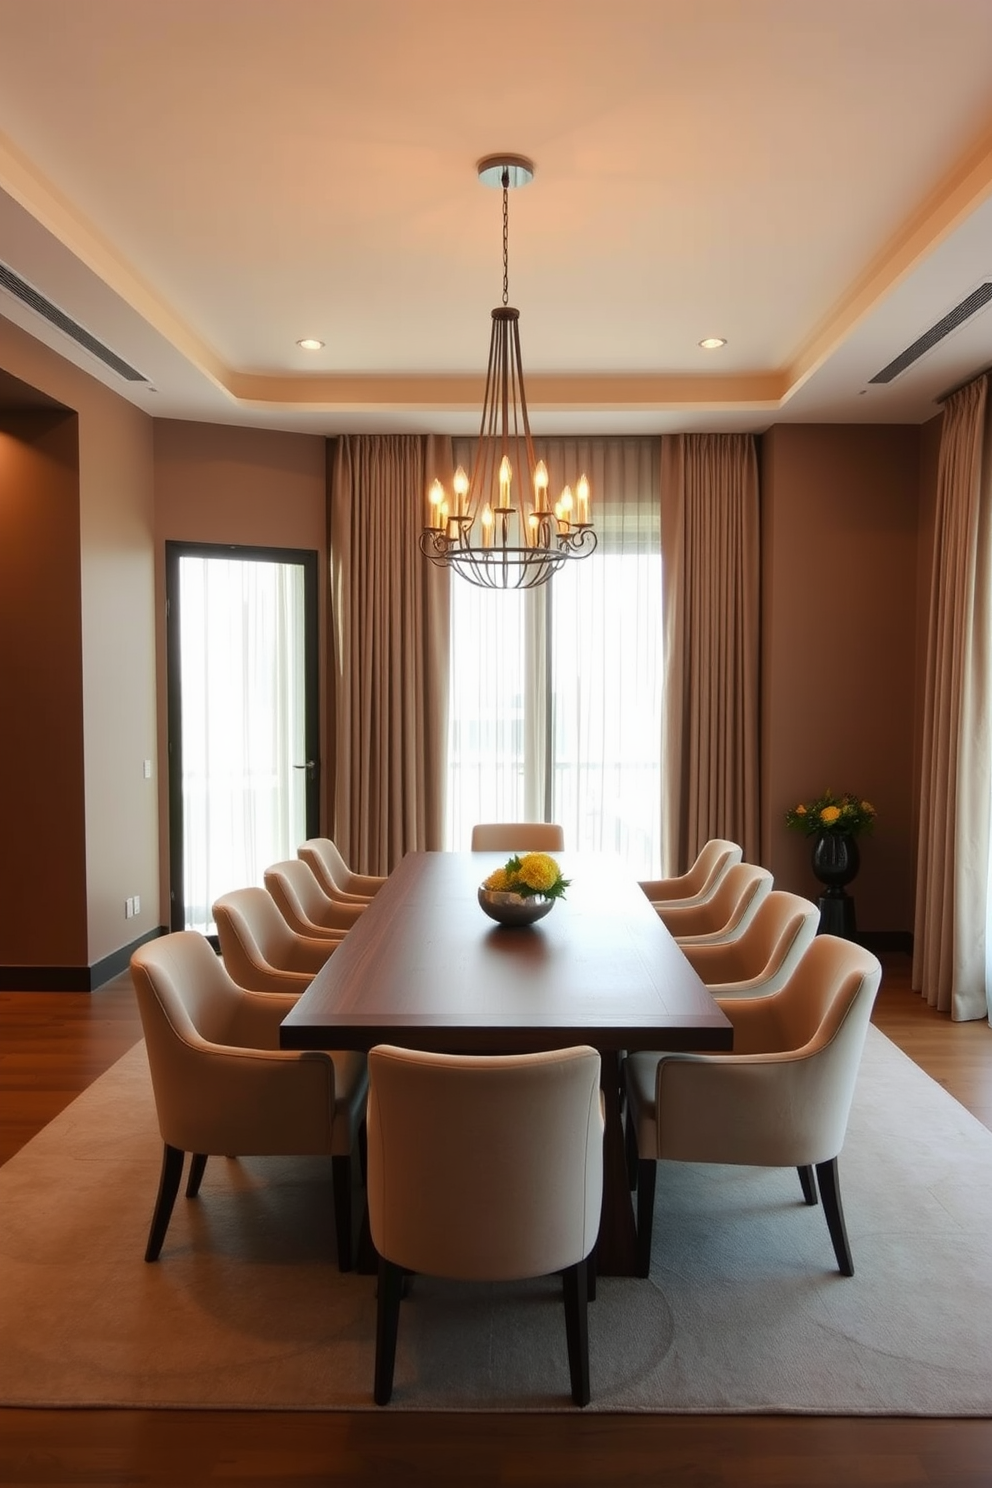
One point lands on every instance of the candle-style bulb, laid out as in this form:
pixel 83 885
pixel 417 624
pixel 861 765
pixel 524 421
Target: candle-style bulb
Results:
pixel 460 484
pixel 540 486
pixel 435 500
pixel 582 492
pixel 505 476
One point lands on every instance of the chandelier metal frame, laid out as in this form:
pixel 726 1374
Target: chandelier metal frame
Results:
pixel 487 530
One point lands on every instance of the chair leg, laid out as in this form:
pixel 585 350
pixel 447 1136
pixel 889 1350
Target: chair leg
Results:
pixel 630 1150
pixel 168 1187
pixel 591 1274
pixel 196 1170
pixel 341 1183
pixel 809 1184
pixel 576 1296
pixel 387 1322
pixel 647 1171
pixel 363 1153
pixel 829 1181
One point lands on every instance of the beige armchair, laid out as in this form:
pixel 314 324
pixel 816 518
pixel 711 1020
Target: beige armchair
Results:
pixel 700 881
pixel 222 1085
pixel 334 875
pixel 303 904
pixel 761 960
pixel 517 837
pixel 484 1168
pixel 781 1099
pixel 727 915
pixel 260 950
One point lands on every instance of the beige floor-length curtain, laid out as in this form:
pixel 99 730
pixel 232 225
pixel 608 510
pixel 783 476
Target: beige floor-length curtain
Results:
pixel 952 887
pixel 710 559
pixel 389 619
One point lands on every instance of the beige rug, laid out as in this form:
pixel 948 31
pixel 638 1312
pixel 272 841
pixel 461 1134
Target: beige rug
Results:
pixel 744 1310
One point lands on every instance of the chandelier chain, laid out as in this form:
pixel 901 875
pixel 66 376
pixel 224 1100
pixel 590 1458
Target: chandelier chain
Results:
pixel 506 237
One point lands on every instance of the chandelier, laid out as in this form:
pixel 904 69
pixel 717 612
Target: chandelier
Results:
pixel 498 528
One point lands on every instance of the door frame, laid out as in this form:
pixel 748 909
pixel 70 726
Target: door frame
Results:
pixel 307 559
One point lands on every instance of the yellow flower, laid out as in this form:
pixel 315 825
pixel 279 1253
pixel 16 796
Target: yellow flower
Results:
pixel 499 880
pixel 538 871
pixel 800 809
pixel 867 806
pixel 829 814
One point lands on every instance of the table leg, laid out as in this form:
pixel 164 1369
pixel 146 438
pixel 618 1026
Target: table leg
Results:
pixel 616 1252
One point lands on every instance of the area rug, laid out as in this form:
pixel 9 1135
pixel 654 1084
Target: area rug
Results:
pixel 744 1310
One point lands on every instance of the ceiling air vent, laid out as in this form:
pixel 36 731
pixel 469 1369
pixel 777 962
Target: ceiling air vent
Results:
pixel 968 307
pixel 29 296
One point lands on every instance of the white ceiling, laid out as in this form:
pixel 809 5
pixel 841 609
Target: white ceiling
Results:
pixel 200 183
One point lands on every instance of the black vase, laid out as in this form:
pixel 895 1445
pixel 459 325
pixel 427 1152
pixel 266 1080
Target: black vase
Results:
pixel 836 861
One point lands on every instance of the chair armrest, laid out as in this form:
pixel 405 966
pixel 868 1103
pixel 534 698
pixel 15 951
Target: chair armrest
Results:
pixel 247 1102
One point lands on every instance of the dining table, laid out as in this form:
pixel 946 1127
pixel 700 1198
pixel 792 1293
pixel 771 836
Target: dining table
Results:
pixel 425 968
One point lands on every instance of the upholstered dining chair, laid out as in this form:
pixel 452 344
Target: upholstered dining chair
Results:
pixel 333 874
pixel 223 1086
pixel 260 950
pixel 700 881
pixel 781 1099
pixel 303 904
pixel 727 915
pixel 517 837
pixel 761 960
pixel 484 1168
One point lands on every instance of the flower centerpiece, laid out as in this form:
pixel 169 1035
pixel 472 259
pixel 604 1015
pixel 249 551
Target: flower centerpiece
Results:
pixel 830 813
pixel 523 890
pixel 834 822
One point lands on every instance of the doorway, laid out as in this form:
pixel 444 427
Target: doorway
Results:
pixel 243 719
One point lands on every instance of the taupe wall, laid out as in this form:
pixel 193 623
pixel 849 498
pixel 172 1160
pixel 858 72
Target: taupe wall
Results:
pixel 101 602
pixel 219 484
pixel 847 535
pixel 840 577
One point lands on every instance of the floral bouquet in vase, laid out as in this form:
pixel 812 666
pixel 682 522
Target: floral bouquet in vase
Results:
pixel 523 890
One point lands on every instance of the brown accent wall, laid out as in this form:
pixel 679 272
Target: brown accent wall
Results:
pixel 85 636
pixel 840 512
pixel 254 487
pixel 43 863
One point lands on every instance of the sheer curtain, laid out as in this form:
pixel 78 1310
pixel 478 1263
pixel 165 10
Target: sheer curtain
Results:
pixel 390 633
pixel 710 538
pixel 243 724
pixel 556 707
pixel 952 943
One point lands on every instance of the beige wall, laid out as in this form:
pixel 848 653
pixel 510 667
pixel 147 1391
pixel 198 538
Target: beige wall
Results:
pixel 847 513
pixel 840 513
pixel 108 600
pixel 255 487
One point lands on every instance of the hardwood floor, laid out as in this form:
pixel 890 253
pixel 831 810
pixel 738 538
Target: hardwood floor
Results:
pixel 52 1045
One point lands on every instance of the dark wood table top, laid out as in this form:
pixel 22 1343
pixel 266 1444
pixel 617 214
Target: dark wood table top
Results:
pixel 424 967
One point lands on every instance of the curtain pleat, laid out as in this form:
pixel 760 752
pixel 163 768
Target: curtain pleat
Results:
pixel 710 551
pixel 950 951
pixel 389 616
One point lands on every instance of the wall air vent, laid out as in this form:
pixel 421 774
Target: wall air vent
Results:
pixel 969 306
pixel 36 301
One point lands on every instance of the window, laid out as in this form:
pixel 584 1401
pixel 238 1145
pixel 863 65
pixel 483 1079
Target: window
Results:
pixel 555 708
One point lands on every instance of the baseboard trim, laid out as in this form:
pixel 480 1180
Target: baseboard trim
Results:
pixel 73 978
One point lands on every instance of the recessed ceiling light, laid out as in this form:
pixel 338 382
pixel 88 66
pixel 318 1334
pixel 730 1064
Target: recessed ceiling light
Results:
pixel 310 343
pixel 713 343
